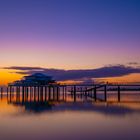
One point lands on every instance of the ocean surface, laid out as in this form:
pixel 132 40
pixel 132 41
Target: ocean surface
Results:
pixel 69 120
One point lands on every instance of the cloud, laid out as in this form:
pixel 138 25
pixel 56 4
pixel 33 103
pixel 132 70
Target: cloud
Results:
pixel 61 74
pixel 133 63
pixel 23 68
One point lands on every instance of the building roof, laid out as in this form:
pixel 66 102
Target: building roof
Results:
pixel 38 75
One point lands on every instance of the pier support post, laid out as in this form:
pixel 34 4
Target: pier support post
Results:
pixel 16 93
pixel 45 93
pixel 105 90
pixel 53 88
pixel 31 93
pixel 86 93
pixel 49 92
pixel 23 93
pixel 7 92
pixel 95 93
pixel 65 93
pixel 41 93
pixel 119 93
pixel 27 93
pixel 38 93
pixel 34 93
pixel 74 93
pixel 63 88
pixel 1 92
pixel 81 90
pixel 10 92
pixel 58 90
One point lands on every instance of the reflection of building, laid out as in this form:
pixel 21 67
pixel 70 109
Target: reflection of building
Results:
pixel 35 79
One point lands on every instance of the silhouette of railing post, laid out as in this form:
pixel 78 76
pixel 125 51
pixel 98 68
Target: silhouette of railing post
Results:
pixel 119 93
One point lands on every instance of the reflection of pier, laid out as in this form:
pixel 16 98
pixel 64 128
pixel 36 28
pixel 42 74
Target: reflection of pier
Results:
pixel 62 92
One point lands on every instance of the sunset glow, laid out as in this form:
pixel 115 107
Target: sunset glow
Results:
pixel 68 34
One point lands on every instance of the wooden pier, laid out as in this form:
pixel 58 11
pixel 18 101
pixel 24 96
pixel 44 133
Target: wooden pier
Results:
pixel 61 92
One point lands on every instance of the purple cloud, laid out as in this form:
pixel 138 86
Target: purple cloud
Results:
pixel 61 74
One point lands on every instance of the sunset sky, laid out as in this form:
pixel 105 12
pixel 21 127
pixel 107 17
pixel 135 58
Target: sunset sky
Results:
pixel 68 34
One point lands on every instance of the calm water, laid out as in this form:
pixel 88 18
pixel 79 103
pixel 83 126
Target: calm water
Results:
pixel 80 120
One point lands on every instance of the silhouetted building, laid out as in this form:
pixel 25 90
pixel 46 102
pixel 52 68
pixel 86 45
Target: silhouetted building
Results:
pixel 35 79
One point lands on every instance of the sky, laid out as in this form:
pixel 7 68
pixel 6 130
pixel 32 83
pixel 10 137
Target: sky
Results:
pixel 68 34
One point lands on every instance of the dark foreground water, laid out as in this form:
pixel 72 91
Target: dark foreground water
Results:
pixel 69 120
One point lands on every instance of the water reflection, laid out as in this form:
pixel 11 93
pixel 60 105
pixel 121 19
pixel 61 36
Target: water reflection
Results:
pixel 80 105
pixel 66 119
